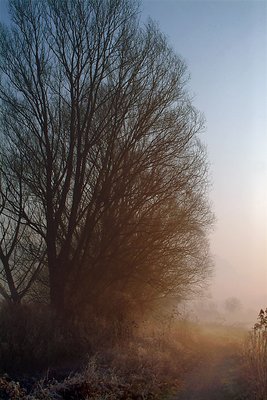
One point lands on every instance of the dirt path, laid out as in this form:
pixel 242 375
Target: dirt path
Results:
pixel 217 375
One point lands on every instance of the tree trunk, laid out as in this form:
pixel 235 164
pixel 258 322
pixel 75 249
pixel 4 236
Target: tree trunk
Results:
pixel 57 290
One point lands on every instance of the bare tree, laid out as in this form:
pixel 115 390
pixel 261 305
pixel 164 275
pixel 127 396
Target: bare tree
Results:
pixel 96 108
pixel 21 253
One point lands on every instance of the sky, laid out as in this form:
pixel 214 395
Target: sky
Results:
pixel 224 44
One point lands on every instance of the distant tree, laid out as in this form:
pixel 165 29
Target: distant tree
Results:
pixel 232 304
pixel 95 106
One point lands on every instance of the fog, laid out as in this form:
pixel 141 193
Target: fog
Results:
pixel 224 44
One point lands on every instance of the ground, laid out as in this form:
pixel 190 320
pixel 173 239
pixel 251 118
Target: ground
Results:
pixel 218 374
pixel 208 366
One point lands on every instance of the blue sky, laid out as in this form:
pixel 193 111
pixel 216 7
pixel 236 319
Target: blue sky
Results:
pixel 224 44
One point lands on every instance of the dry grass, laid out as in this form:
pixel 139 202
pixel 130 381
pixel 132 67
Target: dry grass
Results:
pixel 255 358
pixel 140 361
pixel 147 362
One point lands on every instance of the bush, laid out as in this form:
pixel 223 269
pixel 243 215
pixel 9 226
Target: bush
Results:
pixel 32 339
pixel 137 361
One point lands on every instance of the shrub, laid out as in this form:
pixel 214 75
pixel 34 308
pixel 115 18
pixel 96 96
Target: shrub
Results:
pixel 32 339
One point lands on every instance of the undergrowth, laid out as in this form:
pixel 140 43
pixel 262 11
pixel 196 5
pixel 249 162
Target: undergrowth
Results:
pixel 120 360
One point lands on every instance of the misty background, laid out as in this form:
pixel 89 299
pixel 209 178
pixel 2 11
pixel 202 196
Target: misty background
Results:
pixel 224 44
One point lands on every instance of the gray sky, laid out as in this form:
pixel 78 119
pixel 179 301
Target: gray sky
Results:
pixel 224 44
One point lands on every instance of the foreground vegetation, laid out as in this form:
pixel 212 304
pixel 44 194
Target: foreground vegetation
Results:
pixel 169 358
pixel 125 360
pixel 256 358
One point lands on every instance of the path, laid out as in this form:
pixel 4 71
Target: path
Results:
pixel 217 375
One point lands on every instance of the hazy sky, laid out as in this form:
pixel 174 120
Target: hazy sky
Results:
pixel 224 44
